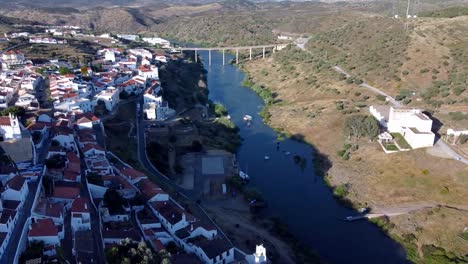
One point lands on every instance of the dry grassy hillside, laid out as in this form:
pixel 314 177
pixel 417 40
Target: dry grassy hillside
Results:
pixel 427 56
pixel 311 100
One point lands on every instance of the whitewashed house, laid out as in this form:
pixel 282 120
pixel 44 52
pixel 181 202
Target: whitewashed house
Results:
pixel 148 71
pixel 90 150
pixel 10 127
pixel 110 97
pixel 151 191
pixel 80 215
pixel 141 53
pixel 16 189
pixel 46 231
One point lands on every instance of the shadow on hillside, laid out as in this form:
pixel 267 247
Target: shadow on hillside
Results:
pixel 436 125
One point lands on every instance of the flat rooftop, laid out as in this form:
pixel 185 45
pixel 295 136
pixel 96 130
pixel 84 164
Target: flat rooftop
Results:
pixel 212 165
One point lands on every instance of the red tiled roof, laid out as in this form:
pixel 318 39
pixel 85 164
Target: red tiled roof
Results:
pixel 70 95
pixel 88 115
pixel 72 157
pixel 45 208
pixel 43 227
pixel 148 188
pixel 16 183
pixel 62 130
pixel 37 126
pixel 132 173
pixel 5 121
pixel 158 245
pixel 66 192
pixel 80 205
pixel 70 175
pixel 88 147
pixel 83 120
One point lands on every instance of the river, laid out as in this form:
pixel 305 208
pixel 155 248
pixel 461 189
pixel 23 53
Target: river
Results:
pixel 296 195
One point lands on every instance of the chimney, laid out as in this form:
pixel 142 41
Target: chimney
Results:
pixel 173 216
pixel 86 206
pixel 191 228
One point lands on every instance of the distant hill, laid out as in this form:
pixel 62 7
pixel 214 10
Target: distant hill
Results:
pixel 447 12
pixel 239 4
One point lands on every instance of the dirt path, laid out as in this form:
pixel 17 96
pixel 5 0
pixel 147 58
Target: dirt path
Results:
pixel 234 218
pixel 408 208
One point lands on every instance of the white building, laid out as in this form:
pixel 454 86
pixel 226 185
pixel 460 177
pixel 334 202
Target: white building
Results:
pixel 110 97
pixel 109 55
pixel 10 127
pixel 80 215
pixel 45 230
pixel 258 257
pixel 148 71
pixel 158 41
pixel 12 59
pixel 413 124
pixel 141 53
pixel 82 105
pixel 16 189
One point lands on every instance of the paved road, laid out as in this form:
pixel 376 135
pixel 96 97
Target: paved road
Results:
pixel 370 87
pixel 24 214
pixel 449 151
pixel 95 219
pixel 67 242
pixel 143 158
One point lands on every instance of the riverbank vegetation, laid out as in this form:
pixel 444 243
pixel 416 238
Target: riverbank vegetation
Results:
pixel 316 104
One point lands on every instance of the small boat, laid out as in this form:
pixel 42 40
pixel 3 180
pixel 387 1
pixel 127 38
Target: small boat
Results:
pixel 287 153
pixel 247 118
pixel 244 175
pixel 363 210
pixel 267 158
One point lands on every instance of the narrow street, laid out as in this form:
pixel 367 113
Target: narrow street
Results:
pixel 95 219
pixel 67 242
pixel 23 215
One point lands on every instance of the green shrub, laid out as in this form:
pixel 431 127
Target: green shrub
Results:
pixel 380 97
pixel 341 191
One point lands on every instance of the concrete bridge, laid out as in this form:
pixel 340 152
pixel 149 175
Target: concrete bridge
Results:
pixel 264 48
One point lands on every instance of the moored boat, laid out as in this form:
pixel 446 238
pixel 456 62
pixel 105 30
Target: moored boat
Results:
pixel 247 118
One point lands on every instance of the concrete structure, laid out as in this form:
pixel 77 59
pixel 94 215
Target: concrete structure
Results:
pixel 272 47
pixel 413 124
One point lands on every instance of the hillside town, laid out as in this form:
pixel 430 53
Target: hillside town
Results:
pixel 64 196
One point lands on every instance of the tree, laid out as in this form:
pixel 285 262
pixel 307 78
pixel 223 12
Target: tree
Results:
pixel 114 201
pixel 131 252
pixel 64 70
pixel 55 162
pixel 94 178
pixel 171 247
pixel 358 126
pixel 84 70
pixel 220 110
pixel 14 110
pixel 196 146
pixel 33 251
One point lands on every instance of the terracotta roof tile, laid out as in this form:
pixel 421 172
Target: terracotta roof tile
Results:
pixel 43 227
pixel 16 183
pixel 80 205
